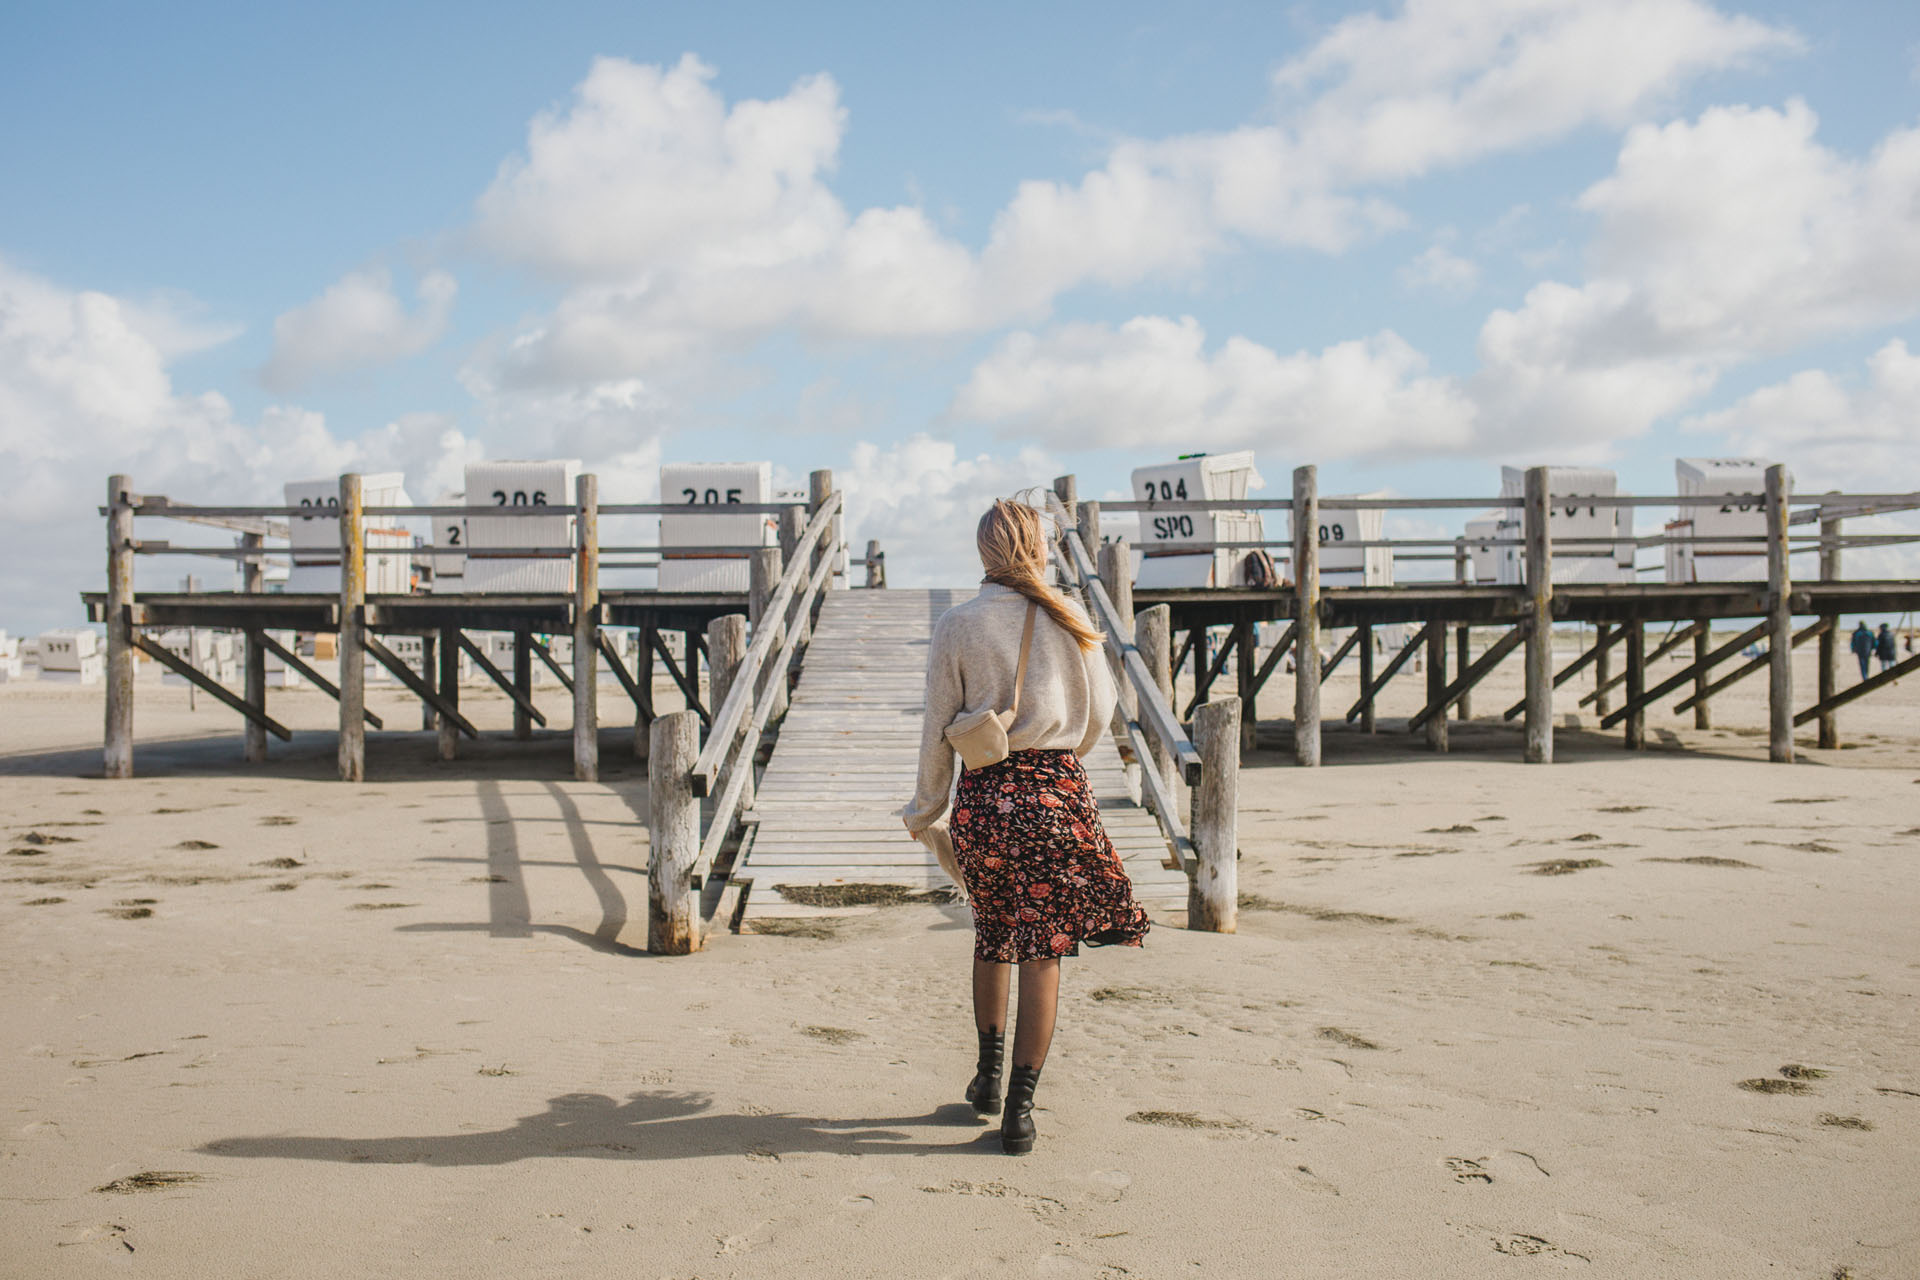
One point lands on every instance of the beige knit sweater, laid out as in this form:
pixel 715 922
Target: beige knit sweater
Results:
pixel 1066 703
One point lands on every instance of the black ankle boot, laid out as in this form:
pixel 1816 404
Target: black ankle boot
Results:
pixel 984 1092
pixel 1016 1126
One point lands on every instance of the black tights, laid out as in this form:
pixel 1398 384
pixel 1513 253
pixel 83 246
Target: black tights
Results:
pixel 1039 1001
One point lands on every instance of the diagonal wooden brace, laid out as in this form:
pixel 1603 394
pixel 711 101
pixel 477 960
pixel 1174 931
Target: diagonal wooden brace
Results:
pixel 1473 675
pixel 1602 640
pixel 499 677
pixel 641 698
pixel 1673 641
pixel 1688 672
pixel 1399 660
pixel 299 664
pixel 166 657
pixel 1745 669
pixel 546 656
pixel 687 687
pixel 1346 647
pixel 421 689
pixel 1860 690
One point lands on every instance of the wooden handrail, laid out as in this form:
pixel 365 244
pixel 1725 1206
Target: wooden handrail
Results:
pixel 1158 714
pixel 720 824
pixel 726 722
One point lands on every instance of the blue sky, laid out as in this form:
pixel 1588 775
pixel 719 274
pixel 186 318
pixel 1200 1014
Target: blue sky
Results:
pixel 948 253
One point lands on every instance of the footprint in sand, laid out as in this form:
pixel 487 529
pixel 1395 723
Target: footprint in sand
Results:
pixel 1518 1245
pixel 1465 1170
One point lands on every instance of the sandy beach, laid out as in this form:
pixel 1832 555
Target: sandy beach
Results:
pixel 1631 1015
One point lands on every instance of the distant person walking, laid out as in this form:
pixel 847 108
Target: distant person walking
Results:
pixel 1886 647
pixel 1862 645
pixel 1021 666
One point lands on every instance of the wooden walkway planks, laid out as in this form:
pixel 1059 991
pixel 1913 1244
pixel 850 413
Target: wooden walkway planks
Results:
pixel 845 759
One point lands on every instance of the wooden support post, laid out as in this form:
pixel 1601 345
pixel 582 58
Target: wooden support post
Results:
pixel 1437 685
pixel 522 684
pixel 1636 727
pixel 726 649
pixel 876 566
pixel 1366 675
pixel 1199 645
pixel 353 631
pixel 253 685
pixel 1830 638
pixel 1463 634
pixel 449 732
pixel 586 629
pixel 1463 653
pixel 673 836
pixel 1780 620
pixel 643 712
pixel 1539 540
pixel 819 489
pixel 1702 641
pixel 117 749
pixel 763 578
pixel 1153 637
pixel 1248 689
pixel 429 672
pixel 1603 667
pixel 1213 890
pixel 1306 613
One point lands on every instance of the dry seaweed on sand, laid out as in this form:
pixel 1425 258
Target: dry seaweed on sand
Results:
pixel 149 1180
pixel 196 845
pixel 1796 1071
pixel 379 906
pixel 1346 1038
pixel 791 927
pixel 833 1035
pixel 43 902
pixel 1128 995
pixel 859 894
pixel 1564 866
pixel 1258 902
pixel 1706 860
pixel 129 913
pixel 281 864
pixel 1765 1085
pixel 41 839
pixel 1182 1120
pixel 1833 1121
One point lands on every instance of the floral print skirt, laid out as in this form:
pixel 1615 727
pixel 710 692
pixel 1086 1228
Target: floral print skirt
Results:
pixel 1041 874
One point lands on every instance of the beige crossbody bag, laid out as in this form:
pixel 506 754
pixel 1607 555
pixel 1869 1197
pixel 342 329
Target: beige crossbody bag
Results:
pixel 981 737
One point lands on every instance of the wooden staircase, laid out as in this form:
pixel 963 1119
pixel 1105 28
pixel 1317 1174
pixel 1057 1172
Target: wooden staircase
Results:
pixel 824 831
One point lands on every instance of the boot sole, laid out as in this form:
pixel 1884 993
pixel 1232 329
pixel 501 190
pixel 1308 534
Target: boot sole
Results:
pixel 1015 1146
pixel 985 1108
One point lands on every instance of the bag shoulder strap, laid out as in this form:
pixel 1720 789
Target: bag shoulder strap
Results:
pixel 1026 642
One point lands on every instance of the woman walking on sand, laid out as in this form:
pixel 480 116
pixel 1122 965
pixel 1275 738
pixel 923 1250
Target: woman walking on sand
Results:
pixel 1040 873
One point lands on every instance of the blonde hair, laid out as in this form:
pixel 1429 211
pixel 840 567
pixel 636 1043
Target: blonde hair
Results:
pixel 1013 551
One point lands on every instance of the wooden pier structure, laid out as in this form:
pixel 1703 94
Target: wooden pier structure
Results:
pixel 1620 613
pixel 775 792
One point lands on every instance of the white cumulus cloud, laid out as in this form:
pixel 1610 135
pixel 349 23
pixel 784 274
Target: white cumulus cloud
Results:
pixel 1152 382
pixel 357 323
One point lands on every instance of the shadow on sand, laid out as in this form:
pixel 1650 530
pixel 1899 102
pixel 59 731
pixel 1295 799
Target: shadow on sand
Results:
pixel 647 1126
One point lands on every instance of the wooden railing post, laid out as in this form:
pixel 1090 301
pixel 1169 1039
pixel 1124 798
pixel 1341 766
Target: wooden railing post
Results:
pixel 449 690
pixel 118 746
pixel 1088 526
pixel 586 629
pixel 1115 560
pixel 1306 612
pixel 1702 642
pixel 876 566
pixel 429 666
pixel 1065 488
pixel 253 680
pixel 1153 637
pixel 819 489
pixel 673 836
pixel 1213 891
pixel 1829 641
pixel 763 578
pixel 353 631
pixel 726 648
pixel 1780 622
pixel 1604 638
pixel 1462 634
pixel 1539 540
